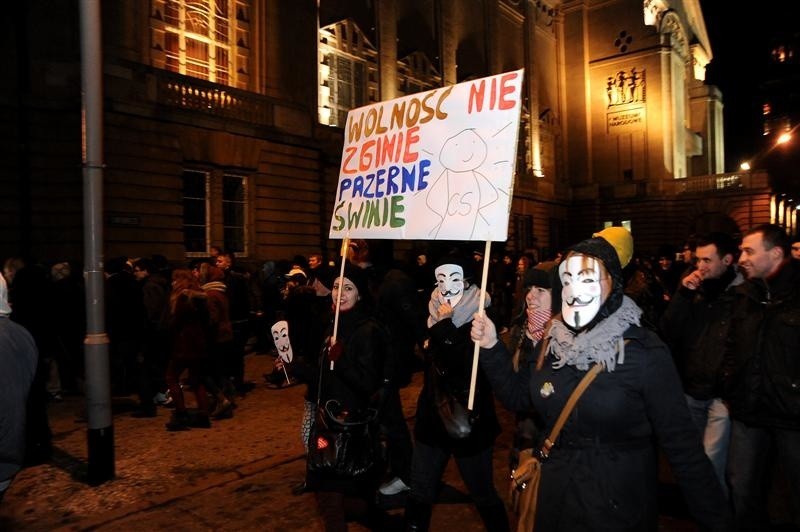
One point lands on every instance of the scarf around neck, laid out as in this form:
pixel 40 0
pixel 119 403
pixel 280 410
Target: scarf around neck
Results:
pixel 537 319
pixel 214 285
pixel 464 309
pixel 600 344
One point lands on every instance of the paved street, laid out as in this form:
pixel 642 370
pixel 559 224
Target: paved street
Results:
pixel 235 476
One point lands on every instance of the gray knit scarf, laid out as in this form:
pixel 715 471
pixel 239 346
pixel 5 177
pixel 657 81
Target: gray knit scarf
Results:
pixel 599 344
pixel 464 309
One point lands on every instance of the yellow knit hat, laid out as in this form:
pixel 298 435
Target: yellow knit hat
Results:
pixel 621 239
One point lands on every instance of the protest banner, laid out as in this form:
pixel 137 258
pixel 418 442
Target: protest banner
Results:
pixel 437 165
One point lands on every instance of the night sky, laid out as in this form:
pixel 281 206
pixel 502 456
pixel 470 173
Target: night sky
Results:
pixel 740 36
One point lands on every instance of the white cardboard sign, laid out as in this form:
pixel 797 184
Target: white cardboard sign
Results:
pixel 437 165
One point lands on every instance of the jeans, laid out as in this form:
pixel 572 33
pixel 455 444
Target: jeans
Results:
pixel 750 464
pixel 711 417
pixel 428 465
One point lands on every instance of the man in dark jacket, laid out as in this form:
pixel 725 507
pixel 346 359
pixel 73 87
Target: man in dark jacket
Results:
pixel 695 325
pixel 238 295
pixel 762 374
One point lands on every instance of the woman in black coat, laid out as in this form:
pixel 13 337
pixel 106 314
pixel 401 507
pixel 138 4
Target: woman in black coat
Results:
pixel 448 371
pixel 351 377
pixel 602 472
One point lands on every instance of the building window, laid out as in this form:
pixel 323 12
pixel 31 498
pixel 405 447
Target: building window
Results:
pixel 214 211
pixel 206 39
pixel 347 72
pixel 522 232
pixel 195 211
pixel 234 213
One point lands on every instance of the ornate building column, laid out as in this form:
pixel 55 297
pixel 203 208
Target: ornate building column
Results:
pixel 386 24
pixel 447 42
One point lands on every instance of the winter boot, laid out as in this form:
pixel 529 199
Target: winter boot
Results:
pixel 178 421
pixel 418 515
pixel 494 516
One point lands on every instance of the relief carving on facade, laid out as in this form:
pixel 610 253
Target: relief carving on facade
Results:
pixel 626 87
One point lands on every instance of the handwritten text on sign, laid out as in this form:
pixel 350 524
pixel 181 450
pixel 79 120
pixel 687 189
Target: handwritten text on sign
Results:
pixel 433 165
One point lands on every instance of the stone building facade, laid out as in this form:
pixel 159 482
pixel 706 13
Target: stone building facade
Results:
pixel 223 119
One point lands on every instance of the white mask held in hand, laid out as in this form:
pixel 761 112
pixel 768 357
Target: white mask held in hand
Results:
pixel 280 335
pixel 586 285
pixel 450 282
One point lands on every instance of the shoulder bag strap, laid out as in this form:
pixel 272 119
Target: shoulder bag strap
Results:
pixel 567 410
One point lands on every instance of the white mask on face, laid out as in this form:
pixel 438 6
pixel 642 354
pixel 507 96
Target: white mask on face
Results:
pixel 280 335
pixel 583 279
pixel 450 282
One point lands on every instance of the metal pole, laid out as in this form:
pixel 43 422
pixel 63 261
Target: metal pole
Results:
pixel 98 390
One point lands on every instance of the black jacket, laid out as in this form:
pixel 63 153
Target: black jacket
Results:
pixel 695 326
pixel 451 351
pixel 354 382
pixel 602 473
pixel 762 359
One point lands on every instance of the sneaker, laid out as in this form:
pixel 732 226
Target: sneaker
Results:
pixel 161 398
pixel 223 410
pixel 393 487
pixel 299 489
pixel 56 397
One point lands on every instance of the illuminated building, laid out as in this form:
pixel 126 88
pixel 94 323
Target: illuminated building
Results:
pixel 222 118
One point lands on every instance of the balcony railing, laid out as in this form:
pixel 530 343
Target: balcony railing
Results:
pixel 200 96
pixel 707 184
pixel 719 182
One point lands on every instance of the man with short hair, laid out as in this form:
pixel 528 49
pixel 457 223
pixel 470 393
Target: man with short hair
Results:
pixel 796 247
pixel 695 325
pixel 762 375
pixel 239 299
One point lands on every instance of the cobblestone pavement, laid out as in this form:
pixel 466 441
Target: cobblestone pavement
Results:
pixel 236 475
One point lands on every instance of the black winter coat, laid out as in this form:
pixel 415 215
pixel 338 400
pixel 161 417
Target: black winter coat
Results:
pixel 354 382
pixel 451 353
pixel 695 326
pixel 602 473
pixel 762 359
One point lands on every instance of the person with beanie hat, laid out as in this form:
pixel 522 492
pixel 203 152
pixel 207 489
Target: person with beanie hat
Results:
pixel 602 471
pixel 469 436
pixel 350 374
pixel 542 301
pixel 622 241
pixel 18 359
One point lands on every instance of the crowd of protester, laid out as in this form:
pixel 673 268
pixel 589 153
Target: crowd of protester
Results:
pixel 698 346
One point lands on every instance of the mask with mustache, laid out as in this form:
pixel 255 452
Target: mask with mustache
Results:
pixel 450 282
pixel 586 285
pixel 280 335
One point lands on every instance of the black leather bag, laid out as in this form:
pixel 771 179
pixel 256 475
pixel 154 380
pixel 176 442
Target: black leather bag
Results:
pixel 457 420
pixel 341 443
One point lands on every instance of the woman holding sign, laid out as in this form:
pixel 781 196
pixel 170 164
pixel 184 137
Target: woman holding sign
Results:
pixel 350 381
pixel 444 426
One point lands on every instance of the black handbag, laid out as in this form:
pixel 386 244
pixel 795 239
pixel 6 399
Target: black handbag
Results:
pixel 457 420
pixel 342 443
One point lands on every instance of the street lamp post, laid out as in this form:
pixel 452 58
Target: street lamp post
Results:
pixel 98 391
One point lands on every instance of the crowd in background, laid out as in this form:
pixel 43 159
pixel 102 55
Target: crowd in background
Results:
pixel 179 328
